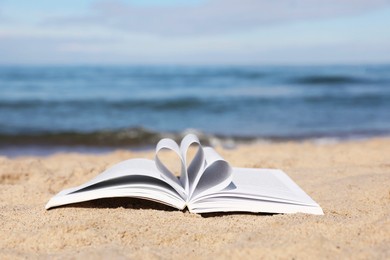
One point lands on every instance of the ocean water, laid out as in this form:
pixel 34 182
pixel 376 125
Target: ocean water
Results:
pixel 133 106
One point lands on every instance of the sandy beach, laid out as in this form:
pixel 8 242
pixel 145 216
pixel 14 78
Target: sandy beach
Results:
pixel 350 180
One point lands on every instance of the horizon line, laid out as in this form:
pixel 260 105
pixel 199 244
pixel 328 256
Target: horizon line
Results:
pixel 103 64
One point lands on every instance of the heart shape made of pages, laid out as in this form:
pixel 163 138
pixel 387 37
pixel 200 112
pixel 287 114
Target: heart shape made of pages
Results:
pixel 206 170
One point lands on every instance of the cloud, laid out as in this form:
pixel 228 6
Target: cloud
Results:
pixel 20 49
pixel 213 16
pixel 206 32
pixel 278 48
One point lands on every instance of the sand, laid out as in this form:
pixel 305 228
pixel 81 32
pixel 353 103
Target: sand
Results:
pixel 350 180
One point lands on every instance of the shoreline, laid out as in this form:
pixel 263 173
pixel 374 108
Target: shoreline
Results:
pixel 44 150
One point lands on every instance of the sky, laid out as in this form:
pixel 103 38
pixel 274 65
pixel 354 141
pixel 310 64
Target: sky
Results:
pixel 232 32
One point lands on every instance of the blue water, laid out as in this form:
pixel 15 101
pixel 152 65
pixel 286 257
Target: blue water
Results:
pixel 73 103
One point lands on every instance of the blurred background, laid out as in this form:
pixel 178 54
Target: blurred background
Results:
pixel 97 75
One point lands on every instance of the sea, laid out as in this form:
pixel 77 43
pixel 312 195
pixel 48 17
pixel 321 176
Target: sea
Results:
pixel 48 109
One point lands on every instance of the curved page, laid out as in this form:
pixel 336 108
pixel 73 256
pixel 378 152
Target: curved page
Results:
pixel 196 167
pixel 140 172
pixel 165 173
pixel 216 176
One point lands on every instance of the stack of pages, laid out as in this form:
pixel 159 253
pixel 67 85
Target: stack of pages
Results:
pixel 206 184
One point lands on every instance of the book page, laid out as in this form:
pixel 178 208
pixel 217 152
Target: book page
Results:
pixel 258 190
pixel 207 171
pixel 235 204
pixel 196 166
pixel 165 173
pixel 266 184
pixel 216 176
pixel 139 190
pixel 132 174
pixel 125 168
pixel 272 183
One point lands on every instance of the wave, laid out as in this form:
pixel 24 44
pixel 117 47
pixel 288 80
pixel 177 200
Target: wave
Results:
pixel 126 137
pixel 144 138
pixel 369 100
pixel 164 104
pixel 329 80
pixel 203 74
pixel 131 137
pixel 195 103
pixel 128 73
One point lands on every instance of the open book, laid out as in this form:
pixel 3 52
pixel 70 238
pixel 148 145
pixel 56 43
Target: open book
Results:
pixel 206 184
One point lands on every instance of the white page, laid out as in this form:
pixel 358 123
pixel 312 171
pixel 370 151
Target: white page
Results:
pixel 258 206
pixel 264 183
pixel 129 167
pixel 196 167
pixel 216 176
pixel 144 170
pixel 255 190
pixel 142 191
pixel 166 174
pixel 208 171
